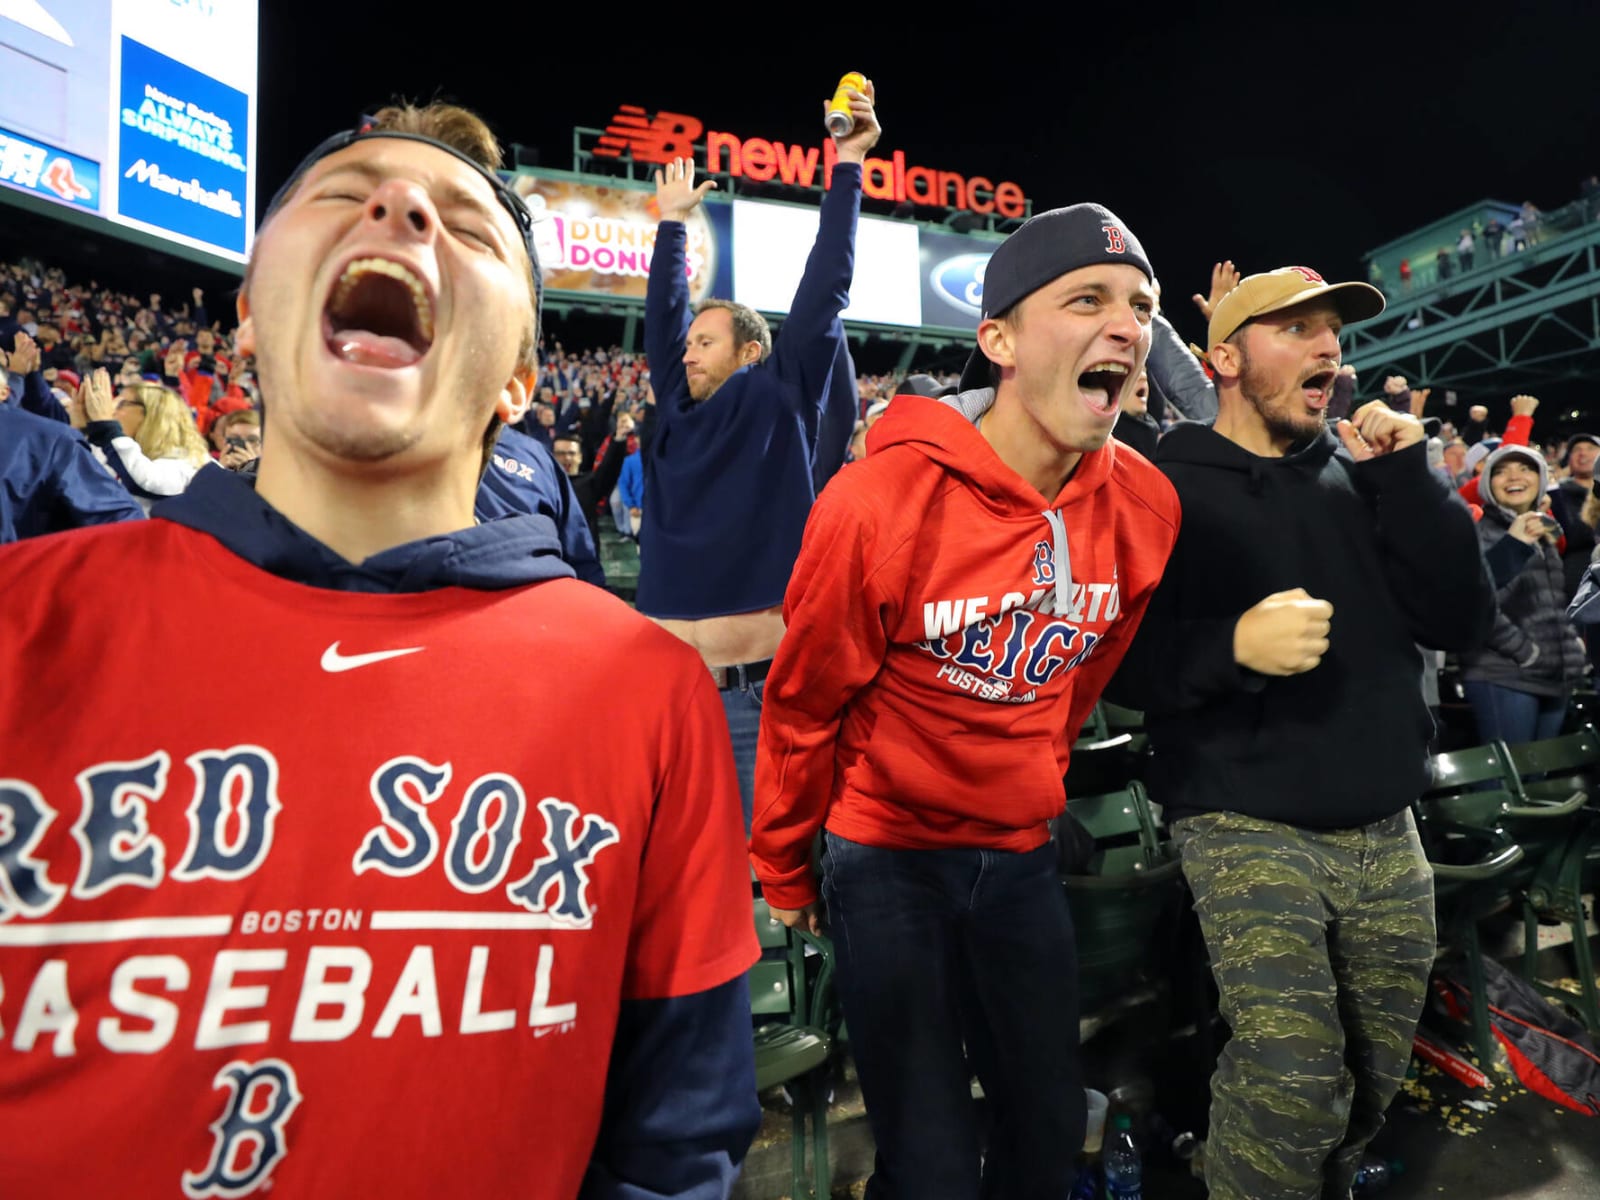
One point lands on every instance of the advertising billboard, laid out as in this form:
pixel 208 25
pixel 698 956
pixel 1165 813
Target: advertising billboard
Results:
pixel 771 243
pixel 950 270
pixel 598 240
pixel 142 112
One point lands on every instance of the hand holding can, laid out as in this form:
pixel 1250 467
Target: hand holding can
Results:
pixel 839 120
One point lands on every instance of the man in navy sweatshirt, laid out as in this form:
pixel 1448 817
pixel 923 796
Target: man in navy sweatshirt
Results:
pixel 745 432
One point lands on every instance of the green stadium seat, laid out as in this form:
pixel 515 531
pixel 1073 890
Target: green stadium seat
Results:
pixel 1558 777
pixel 1478 866
pixel 1121 899
pixel 791 996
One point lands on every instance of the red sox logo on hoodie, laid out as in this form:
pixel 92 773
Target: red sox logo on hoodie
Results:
pixel 989 654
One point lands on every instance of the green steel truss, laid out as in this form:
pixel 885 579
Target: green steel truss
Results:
pixel 1514 321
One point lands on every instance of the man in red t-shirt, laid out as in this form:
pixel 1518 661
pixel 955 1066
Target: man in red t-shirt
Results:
pixel 335 921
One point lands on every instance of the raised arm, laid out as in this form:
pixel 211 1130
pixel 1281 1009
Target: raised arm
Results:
pixel 807 343
pixel 1431 556
pixel 666 298
pixel 1176 371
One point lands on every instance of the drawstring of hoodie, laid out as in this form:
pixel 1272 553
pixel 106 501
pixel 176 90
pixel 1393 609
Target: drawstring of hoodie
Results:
pixel 1257 479
pixel 1058 526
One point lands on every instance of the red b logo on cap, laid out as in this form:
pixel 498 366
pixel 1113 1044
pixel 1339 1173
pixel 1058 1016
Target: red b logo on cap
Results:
pixel 1114 242
pixel 1311 276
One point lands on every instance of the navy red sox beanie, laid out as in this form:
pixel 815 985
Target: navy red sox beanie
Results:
pixel 1046 247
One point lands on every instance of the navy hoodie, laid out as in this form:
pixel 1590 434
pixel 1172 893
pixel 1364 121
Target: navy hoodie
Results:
pixel 1388 544
pixel 730 481
pixel 50 479
pixel 675 1062
pixel 524 479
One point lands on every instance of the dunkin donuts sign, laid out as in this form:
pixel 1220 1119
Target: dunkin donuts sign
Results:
pixel 600 239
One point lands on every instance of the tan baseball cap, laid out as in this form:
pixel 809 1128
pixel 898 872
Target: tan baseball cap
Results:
pixel 1270 291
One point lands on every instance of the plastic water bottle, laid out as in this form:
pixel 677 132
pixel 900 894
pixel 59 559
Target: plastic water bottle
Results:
pixel 1124 1171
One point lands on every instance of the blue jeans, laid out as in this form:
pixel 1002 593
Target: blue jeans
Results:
pixel 742 707
pixel 940 949
pixel 1507 715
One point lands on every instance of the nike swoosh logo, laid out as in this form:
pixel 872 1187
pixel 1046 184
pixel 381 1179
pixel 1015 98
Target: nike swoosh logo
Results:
pixel 333 662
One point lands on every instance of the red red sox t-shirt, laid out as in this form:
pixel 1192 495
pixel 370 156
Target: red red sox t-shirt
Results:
pixel 336 894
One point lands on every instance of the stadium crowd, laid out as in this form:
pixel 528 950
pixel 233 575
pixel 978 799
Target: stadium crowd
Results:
pixel 905 596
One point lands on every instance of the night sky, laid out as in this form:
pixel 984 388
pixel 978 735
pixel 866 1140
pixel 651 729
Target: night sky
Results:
pixel 1292 133
pixel 1295 133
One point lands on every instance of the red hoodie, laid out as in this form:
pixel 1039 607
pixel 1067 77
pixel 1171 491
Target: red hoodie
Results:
pixel 942 651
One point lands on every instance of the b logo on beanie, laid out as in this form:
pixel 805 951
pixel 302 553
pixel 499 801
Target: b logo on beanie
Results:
pixel 1046 247
pixel 1050 244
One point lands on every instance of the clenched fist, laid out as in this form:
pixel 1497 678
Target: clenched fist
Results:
pixel 1285 634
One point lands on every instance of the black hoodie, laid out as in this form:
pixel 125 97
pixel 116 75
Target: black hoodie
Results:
pixel 1393 550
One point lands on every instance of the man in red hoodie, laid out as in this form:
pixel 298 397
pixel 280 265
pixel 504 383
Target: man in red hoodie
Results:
pixel 960 599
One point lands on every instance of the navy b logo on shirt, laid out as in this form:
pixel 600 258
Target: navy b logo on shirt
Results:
pixel 249 1138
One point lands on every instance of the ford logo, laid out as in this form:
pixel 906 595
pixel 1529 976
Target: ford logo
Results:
pixel 959 281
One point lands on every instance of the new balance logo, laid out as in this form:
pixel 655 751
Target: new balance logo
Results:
pixel 333 661
pixel 661 139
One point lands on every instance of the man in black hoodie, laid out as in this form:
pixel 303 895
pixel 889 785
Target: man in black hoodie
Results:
pixel 1278 668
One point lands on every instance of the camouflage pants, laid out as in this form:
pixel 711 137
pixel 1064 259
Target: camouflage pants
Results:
pixel 1320 942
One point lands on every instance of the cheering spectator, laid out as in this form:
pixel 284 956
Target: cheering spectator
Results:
pixel 523 479
pixel 148 437
pixel 393 640
pixel 630 491
pixel 1519 432
pixel 1135 426
pixel 858 442
pixel 49 478
pixel 1313 893
pixel 1493 235
pixel 743 431
pixel 1464 250
pixel 1532 217
pixel 542 428
pixel 25 380
pixel 1519 683
pixel 239 436
pixel 591 487
pixel 1477 426
pixel 1567 499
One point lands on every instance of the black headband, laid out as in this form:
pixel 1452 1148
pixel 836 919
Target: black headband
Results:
pixel 509 200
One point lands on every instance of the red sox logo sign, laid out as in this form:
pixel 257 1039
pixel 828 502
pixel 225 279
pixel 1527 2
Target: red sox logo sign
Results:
pixel 1114 240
